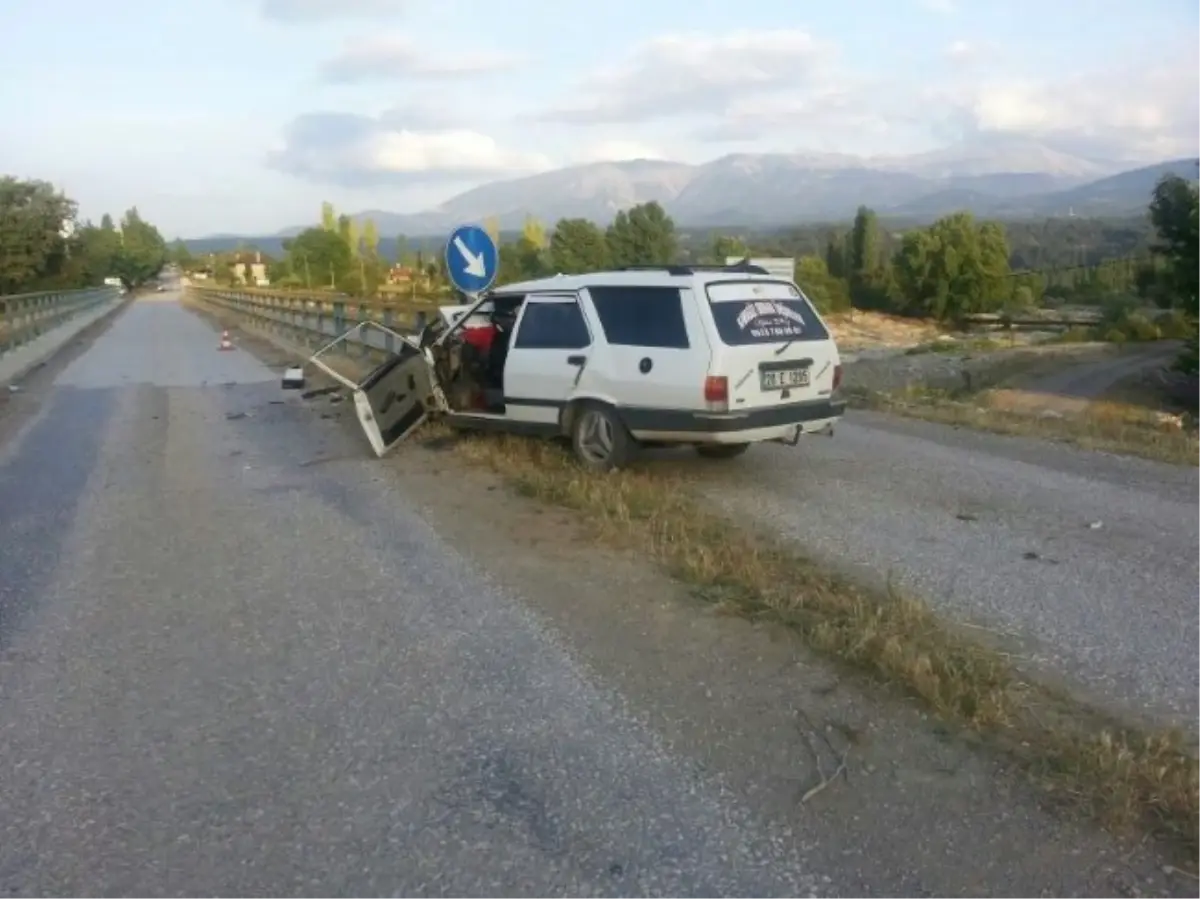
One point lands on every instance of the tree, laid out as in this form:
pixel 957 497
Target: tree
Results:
pixel 521 260
pixel 33 241
pixel 835 256
pixel 534 233
pixel 321 257
pixel 1173 211
pixel 370 238
pixel 142 252
pixel 370 266
pixel 725 246
pixel 491 225
pixel 862 262
pixel 577 246
pixel 348 231
pixel 328 217
pixel 863 251
pixel 829 294
pixel 181 255
pixel 645 235
pixel 953 268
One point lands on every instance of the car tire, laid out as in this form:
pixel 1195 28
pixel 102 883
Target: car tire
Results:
pixel 721 450
pixel 600 439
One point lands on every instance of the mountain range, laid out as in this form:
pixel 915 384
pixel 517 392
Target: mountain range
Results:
pixel 759 191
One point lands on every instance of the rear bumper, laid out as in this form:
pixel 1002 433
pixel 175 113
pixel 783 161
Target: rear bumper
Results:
pixel 754 425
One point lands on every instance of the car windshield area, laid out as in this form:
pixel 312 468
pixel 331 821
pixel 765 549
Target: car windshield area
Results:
pixel 756 312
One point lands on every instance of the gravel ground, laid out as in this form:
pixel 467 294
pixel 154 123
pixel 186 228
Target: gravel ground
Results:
pixel 1086 561
pixel 225 673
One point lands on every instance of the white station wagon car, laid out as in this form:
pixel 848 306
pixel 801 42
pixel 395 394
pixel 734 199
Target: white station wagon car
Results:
pixel 712 357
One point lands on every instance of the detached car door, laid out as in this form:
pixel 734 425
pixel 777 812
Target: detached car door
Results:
pixel 396 398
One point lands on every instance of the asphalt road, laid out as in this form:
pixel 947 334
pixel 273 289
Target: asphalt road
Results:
pixel 1085 563
pixel 223 672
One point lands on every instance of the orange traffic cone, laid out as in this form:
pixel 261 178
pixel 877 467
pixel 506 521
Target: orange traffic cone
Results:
pixel 226 343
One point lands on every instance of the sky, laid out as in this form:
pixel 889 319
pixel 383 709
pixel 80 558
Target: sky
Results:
pixel 241 116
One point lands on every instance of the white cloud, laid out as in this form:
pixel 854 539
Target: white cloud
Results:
pixel 962 51
pixel 392 57
pixel 695 74
pixel 1136 110
pixel 353 151
pixel 300 11
pixel 790 91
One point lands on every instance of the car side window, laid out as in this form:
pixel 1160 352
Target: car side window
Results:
pixel 641 316
pixel 552 325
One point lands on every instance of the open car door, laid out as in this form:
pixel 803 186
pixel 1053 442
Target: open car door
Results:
pixel 396 397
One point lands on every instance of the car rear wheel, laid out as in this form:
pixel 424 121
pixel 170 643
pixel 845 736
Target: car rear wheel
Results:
pixel 721 450
pixel 600 440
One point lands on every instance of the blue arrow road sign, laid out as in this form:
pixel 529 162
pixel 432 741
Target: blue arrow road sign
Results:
pixel 471 259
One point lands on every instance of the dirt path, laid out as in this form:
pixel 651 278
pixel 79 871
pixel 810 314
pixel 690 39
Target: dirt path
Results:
pixel 1091 380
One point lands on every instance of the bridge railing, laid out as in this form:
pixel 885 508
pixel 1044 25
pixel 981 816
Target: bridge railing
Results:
pixel 26 316
pixel 313 319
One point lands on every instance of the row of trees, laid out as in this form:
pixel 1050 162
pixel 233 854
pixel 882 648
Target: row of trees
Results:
pixel 954 267
pixel 44 247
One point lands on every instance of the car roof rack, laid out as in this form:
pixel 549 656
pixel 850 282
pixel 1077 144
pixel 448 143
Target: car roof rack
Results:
pixel 744 267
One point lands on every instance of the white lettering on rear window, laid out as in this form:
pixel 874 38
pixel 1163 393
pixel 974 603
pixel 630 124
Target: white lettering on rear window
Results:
pixel 765 318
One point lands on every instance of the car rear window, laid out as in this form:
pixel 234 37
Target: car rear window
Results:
pixel 641 316
pixel 753 312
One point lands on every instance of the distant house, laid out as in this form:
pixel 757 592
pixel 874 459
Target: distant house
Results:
pixel 248 268
pixel 400 274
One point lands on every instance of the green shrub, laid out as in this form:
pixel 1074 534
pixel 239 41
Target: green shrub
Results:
pixel 1138 327
pixel 1174 324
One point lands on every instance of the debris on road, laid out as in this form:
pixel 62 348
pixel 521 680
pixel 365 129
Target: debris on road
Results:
pixel 293 378
pixel 320 391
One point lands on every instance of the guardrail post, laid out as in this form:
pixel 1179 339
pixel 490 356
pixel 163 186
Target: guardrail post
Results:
pixel 339 322
pixel 389 342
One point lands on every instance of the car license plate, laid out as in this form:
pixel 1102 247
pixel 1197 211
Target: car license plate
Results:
pixel 782 379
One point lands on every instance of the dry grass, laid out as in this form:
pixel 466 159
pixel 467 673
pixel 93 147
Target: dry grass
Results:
pixel 1099 425
pixel 1122 775
pixel 867 330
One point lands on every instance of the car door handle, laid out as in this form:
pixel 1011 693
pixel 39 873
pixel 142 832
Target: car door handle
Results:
pixel 576 360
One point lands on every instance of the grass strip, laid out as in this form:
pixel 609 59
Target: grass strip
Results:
pixel 1122 775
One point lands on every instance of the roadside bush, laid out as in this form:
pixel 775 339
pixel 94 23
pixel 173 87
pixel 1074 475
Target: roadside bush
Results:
pixel 1138 326
pixel 1174 324
pixel 1121 320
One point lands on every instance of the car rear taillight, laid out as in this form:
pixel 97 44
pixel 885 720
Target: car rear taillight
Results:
pixel 837 377
pixel 716 394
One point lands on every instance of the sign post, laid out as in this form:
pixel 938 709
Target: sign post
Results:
pixel 472 260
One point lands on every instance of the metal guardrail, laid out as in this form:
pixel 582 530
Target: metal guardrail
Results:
pixel 26 316
pixel 315 319
pixel 1048 320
